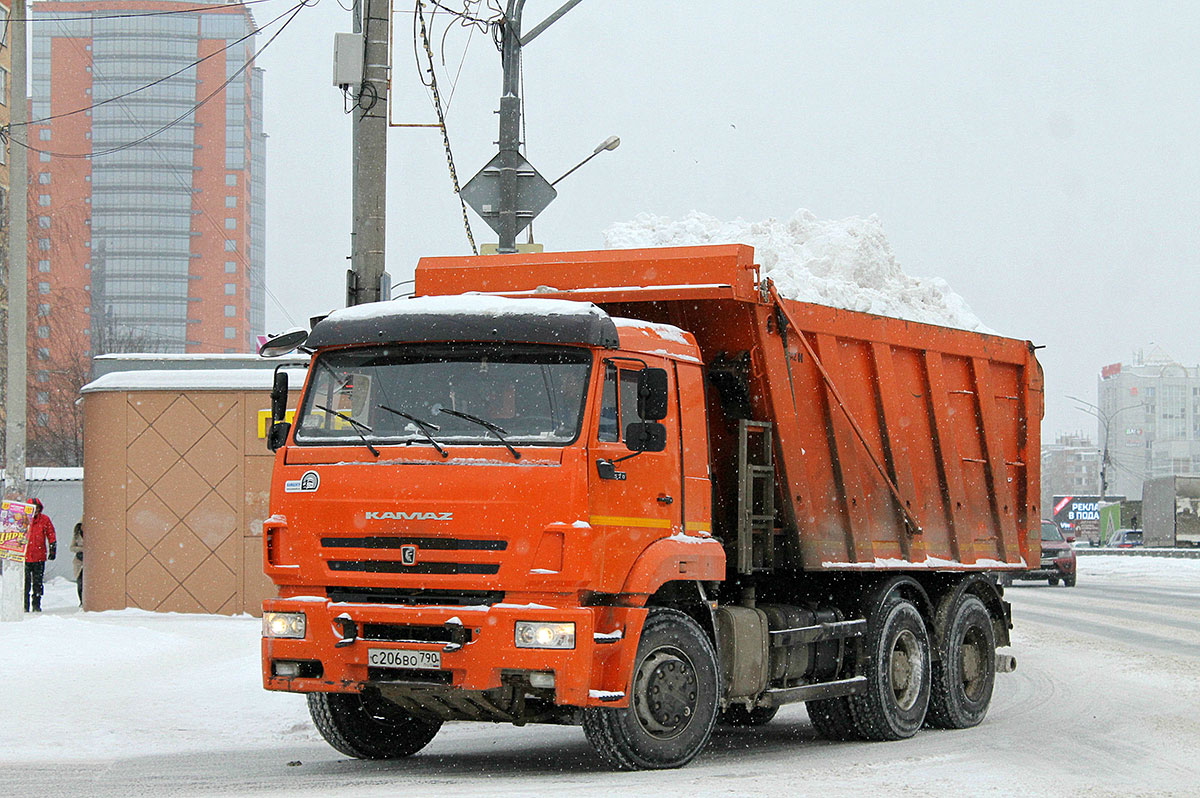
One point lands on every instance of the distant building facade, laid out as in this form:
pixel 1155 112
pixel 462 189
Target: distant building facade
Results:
pixel 1070 467
pixel 146 189
pixel 1152 407
pixel 163 232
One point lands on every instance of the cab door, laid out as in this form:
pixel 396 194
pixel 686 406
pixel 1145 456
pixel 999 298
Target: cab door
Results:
pixel 634 498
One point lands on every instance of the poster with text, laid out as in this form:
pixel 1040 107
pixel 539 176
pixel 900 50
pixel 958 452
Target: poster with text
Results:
pixel 14 529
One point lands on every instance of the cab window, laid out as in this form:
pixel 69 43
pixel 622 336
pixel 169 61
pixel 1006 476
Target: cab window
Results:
pixel 618 402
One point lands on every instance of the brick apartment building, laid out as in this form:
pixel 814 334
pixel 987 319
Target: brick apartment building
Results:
pixel 146 212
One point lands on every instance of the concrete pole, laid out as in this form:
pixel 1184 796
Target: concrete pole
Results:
pixel 370 158
pixel 18 287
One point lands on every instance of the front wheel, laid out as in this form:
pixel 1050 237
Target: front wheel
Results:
pixel 897 667
pixel 1069 580
pixel 1053 581
pixel 673 703
pixel 368 726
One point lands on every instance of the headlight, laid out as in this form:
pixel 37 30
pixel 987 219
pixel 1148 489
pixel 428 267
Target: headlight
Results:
pixel 283 624
pixel 537 634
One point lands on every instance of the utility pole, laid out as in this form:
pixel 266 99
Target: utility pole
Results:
pixel 18 288
pixel 510 124
pixel 370 156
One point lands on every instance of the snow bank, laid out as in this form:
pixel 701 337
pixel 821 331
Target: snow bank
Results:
pixel 845 263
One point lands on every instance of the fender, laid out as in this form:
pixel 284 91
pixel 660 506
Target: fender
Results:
pixel 674 558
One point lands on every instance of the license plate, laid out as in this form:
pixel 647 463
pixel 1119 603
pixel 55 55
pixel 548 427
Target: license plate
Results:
pixel 411 660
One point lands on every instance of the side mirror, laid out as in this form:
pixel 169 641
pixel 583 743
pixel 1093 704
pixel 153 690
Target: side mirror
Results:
pixel 283 343
pixel 279 396
pixel 277 435
pixel 647 436
pixel 652 395
pixel 1070 538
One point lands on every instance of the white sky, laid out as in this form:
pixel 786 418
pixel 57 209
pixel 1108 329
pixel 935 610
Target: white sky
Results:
pixel 1042 156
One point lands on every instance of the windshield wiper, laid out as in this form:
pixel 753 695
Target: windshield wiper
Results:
pixel 422 426
pixel 495 429
pixel 354 425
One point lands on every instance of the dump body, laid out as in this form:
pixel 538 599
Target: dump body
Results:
pixel 898 445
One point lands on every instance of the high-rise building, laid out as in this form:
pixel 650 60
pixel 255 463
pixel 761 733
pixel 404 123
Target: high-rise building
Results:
pixel 146 178
pixel 1149 420
pixel 1070 467
pixel 146 193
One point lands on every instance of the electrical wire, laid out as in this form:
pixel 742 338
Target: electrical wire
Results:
pixel 437 104
pixel 200 9
pixel 294 11
pixel 156 82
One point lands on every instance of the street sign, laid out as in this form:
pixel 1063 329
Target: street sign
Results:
pixel 482 192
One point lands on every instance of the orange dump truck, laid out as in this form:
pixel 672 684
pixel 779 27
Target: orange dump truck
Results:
pixel 640 492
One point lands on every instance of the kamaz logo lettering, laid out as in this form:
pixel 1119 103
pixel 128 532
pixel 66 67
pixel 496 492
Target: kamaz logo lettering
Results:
pixel 402 516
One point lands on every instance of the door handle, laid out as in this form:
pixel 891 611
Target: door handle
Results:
pixel 665 499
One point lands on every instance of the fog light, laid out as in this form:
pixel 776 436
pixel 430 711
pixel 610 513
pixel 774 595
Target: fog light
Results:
pixel 538 634
pixel 283 624
pixel 288 670
pixel 541 680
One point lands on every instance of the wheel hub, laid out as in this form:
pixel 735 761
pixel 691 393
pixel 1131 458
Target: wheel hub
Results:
pixel 908 669
pixel 665 692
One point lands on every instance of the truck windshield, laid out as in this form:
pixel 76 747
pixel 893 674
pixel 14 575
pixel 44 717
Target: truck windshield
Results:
pixel 533 394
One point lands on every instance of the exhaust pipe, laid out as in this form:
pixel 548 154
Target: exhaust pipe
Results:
pixel 1005 663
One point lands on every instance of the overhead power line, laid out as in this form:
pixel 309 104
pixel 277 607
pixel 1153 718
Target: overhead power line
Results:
pixel 294 11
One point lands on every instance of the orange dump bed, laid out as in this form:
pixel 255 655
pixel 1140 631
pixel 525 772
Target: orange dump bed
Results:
pixel 898 445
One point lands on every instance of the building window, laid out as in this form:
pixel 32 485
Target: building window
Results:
pixel 230 245
pixel 43 200
pixel 43 376
pixel 44 157
pixel 231 202
pixel 43 419
pixel 231 332
pixel 230 289
pixel 44 178
pixel 43 309
pixel 43 221
pixel 44 244
pixel 230 267
pixel 43 265
pixel 43 331
pixel 43 397
pixel 230 224
pixel 231 180
pixel 230 311
pixel 43 288
pixel 3 71
pixel 44 134
pixel 43 353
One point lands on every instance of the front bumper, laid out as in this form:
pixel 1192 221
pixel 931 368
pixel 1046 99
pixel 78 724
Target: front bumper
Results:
pixel 1056 569
pixel 591 674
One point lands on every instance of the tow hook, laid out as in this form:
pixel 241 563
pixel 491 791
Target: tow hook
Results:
pixel 457 634
pixel 348 630
pixel 1005 663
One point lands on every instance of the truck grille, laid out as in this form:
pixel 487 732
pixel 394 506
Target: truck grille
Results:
pixel 396 567
pixel 409 633
pixel 393 542
pixel 414 597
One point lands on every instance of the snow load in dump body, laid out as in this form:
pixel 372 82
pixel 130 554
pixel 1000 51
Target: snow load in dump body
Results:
pixel 899 445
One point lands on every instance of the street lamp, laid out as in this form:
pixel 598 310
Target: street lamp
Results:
pixel 1105 419
pixel 610 143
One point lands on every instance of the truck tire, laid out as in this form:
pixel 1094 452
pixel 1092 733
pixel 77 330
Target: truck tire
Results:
pixel 832 719
pixel 1070 579
pixel 673 704
pixel 896 663
pixel 963 679
pixel 368 726
pixel 738 715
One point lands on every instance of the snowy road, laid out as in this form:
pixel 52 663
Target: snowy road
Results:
pixel 1104 702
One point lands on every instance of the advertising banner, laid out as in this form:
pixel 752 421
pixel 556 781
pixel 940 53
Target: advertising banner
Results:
pixel 1079 516
pixel 14 529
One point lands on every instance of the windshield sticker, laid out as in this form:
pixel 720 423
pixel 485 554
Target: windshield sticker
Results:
pixel 306 484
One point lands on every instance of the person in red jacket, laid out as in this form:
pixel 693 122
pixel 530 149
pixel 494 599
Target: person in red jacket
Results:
pixel 40 544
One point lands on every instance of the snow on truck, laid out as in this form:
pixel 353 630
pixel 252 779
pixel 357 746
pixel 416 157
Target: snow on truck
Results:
pixel 641 492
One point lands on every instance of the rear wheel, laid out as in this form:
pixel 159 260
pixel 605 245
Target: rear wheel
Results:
pixel 897 667
pixel 832 719
pixel 1053 581
pixel 963 678
pixel 368 726
pixel 674 700
pixel 738 715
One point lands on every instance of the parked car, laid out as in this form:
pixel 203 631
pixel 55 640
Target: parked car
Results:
pixel 1058 560
pixel 1125 539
